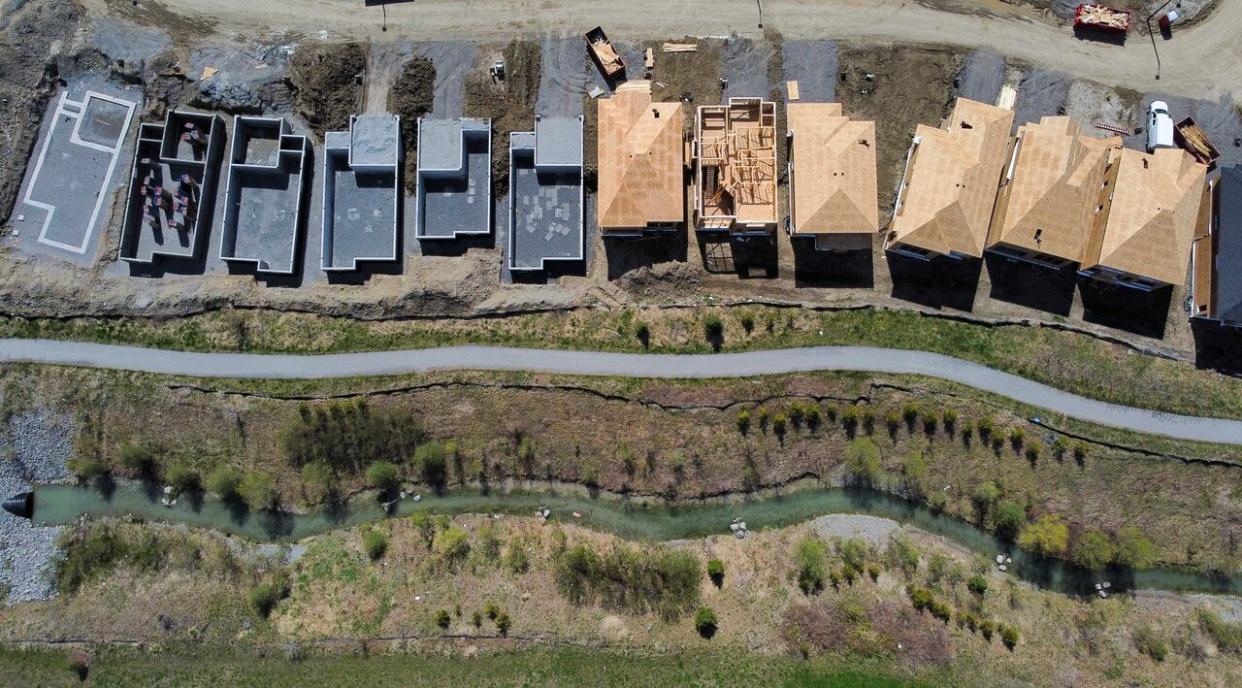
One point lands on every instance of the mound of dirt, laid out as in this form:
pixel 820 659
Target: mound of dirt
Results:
pixel 327 83
pixel 509 103
pixel 898 88
pixel 412 96
pixel 28 75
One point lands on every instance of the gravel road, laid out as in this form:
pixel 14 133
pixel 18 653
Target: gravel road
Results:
pixel 34 449
pixel 746 364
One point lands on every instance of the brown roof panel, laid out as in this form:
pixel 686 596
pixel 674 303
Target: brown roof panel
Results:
pixel 640 160
pixel 833 159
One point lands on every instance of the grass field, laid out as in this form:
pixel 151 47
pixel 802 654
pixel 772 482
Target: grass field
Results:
pixel 213 667
pixel 1070 361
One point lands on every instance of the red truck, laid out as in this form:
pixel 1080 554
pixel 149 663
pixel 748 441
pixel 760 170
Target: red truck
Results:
pixel 1101 18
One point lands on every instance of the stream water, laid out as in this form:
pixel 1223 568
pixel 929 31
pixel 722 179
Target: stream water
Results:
pixel 65 504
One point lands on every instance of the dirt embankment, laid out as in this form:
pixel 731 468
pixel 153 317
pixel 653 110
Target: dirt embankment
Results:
pixel 412 96
pixel 327 83
pixel 899 88
pixel 508 102
pixel 28 75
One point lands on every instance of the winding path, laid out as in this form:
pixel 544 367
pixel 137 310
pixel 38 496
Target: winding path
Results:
pixel 745 364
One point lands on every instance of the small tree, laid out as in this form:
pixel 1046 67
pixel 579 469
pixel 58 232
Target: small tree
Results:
pixel 779 422
pixel 985 497
pixel 713 329
pixel 1048 536
pixel 643 332
pixel 224 481
pixel 181 477
pixel 476 619
pixel 503 623
pixel 705 622
pixel 87 468
pixel 443 619
pixel 1134 550
pixel 1093 550
pixel 375 543
pixel 810 556
pixel 432 465
pixel 267 593
pixel 1009 636
pixel 258 491
pixel 743 422
pixel 138 459
pixel 716 572
pixel 977 584
pixel 383 476
pixel 862 461
pixel 1008 518
pixel 319 481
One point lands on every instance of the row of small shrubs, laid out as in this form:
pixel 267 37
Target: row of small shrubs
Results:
pixel 924 600
pixel 627 579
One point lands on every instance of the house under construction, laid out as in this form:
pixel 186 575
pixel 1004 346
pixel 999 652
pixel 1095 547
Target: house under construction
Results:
pixel 735 168
pixel 641 157
pixel 832 178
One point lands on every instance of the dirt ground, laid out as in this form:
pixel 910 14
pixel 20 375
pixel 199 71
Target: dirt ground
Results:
pixel 899 87
pixel 692 77
pixel 326 79
pixel 412 96
pixel 509 103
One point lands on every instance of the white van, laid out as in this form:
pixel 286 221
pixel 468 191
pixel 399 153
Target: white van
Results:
pixel 1159 126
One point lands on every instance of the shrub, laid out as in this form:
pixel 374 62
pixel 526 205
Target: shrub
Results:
pixel 920 597
pixel 862 461
pixel 853 552
pixel 904 555
pixel 318 481
pixel 643 332
pixel 1016 437
pixel 764 419
pixel 258 491
pixel 1080 452
pixel 850 417
pixel 1151 643
pixel 350 435
pixel 87 467
pixel 910 413
pixel 748 322
pixel 713 329
pixel 950 419
pixel 443 619
pixel 138 459
pixel 1093 550
pixel 986 426
pixel 1134 549
pixel 224 481
pixel 431 462
pixel 987 627
pixel 451 546
pixel 1009 636
pixel 637 580
pixel 181 477
pixel 1060 446
pixel 977 584
pixel 743 422
pixel 705 622
pixel 716 572
pixel 796 413
pixel 383 476
pixel 1008 518
pixel 476 619
pixel 810 556
pixel 267 593
pixel 985 496
pixel 1033 451
pixel 873 571
pixel 892 420
pixel 778 424
pixel 489 544
pixel 931 420
pixel 941 610
pixel 516 558
pixel 491 610
pixel 1048 536
pixel 503 623
pixel 374 542
pixel 814 415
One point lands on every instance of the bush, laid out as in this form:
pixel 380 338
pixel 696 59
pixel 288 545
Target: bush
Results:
pixel 375 543
pixel 705 622
pixel 383 476
pixel 266 594
pixel 349 435
pixel 1008 518
pixel 638 580
pixel 1033 452
pixel 795 413
pixel 811 558
pixel 1009 636
pixel 892 420
pixel 910 413
pixel 491 610
pixel 87 468
pixel 850 417
pixel 516 558
pixel 476 619
pixel 748 322
pixel 1151 643
pixel 987 627
pixel 920 597
pixel 1016 437
pixel 1048 536
pixel 430 459
pixel 1134 549
pixel 743 422
pixel 318 481
pixel 443 619
pixel 853 552
pixel 716 572
pixel 258 491
pixel 451 546
pixel 181 477
pixel 778 424
pixel 224 482
pixel 643 332
pixel 1093 550
pixel 950 419
pixel 862 461
pixel 814 415
pixel 503 623
pixel 138 459
pixel 985 496
pixel 986 427
pixel 977 584
pixel 930 420
pixel 904 555
pixel 713 329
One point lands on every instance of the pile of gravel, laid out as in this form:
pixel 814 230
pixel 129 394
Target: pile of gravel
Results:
pixel 33 449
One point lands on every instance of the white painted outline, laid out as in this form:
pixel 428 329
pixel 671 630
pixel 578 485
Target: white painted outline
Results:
pixel 75 139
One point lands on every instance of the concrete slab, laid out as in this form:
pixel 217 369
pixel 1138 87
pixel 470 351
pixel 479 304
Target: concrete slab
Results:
pixel 981 76
pixel 814 65
pixel 360 201
pixel 545 200
pixel 453 196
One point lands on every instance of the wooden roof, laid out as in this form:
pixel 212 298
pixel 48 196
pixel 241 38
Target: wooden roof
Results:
pixel 951 180
pixel 833 161
pixel 1153 216
pixel 640 160
pixel 1057 178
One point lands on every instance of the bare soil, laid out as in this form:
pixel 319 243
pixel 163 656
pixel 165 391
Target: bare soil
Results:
pixel 907 87
pixel 412 96
pixel 693 78
pixel 509 103
pixel 327 83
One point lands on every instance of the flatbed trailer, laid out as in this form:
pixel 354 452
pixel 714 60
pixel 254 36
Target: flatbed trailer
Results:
pixel 606 56
pixel 1191 137
pixel 1101 18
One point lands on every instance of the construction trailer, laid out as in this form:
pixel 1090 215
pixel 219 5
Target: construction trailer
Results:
pixel 735 168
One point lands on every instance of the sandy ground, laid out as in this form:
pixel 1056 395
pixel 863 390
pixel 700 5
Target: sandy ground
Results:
pixel 1020 31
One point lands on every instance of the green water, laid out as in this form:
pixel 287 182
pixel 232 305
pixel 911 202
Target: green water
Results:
pixel 64 504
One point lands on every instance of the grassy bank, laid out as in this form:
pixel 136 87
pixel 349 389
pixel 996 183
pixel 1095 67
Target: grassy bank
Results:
pixel 1074 362
pixel 210 667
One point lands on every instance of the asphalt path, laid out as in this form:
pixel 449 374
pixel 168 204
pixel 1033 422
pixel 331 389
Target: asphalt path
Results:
pixel 723 365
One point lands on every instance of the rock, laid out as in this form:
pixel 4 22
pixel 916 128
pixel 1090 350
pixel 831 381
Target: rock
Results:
pixel 418 498
pixel 1000 558
pixel 734 527
pixel 1003 568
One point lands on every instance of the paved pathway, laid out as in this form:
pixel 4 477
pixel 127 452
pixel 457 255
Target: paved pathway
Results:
pixel 770 362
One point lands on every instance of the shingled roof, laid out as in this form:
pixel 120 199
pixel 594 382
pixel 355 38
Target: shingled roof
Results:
pixel 640 160
pixel 833 160
pixel 1152 217
pixel 951 181
pixel 1055 184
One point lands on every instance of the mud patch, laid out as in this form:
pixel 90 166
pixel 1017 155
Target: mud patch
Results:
pixel 899 88
pixel 327 87
pixel 412 96
pixel 510 102
pixel 183 29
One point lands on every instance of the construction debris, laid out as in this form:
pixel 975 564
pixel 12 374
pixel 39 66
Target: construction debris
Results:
pixel 680 47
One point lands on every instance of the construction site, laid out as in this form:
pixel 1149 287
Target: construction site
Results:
pixel 696 171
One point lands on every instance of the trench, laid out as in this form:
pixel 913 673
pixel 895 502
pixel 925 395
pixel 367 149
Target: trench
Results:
pixel 632 519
